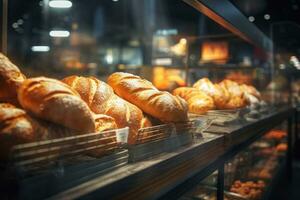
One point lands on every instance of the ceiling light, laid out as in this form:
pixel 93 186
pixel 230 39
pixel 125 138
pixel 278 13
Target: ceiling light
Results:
pixel 59 33
pixel 40 48
pixel 267 17
pixel 251 19
pixel 115 0
pixel 60 4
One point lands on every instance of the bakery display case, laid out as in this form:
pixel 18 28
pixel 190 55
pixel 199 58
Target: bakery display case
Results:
pixel 138 100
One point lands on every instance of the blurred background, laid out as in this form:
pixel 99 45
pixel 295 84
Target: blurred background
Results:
pixel 166 41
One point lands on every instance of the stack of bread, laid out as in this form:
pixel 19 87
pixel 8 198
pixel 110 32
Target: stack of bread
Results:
pixel 205 95
pixel 42 108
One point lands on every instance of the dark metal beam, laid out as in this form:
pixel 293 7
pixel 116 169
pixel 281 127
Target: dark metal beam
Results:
pixel 227 15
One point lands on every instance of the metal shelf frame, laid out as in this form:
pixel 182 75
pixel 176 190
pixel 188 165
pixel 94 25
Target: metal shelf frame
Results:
pixel 227 15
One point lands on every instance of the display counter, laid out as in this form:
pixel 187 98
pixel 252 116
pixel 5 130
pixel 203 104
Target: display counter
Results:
pixel 169 175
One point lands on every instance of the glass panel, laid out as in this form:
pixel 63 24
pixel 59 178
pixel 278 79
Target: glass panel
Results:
pixel 206 189
pixel 100 37
pixel 250 174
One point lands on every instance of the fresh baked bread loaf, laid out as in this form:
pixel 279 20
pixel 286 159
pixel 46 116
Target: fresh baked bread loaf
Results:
pixel 10 80
pixel 103 123
pixel 198 101
pixel 237 99
pixel 55 101
pixel 142 93
pixel 102 100
pixel 219 94
pixel 16 127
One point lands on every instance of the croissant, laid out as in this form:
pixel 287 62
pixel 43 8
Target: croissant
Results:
pixel 198 101
pixel 250 90
pixel 237 98
pixel 219 94
pixel 102 100
pixel 140 92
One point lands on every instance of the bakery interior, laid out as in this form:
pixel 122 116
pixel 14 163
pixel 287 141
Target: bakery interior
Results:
pixel 150 99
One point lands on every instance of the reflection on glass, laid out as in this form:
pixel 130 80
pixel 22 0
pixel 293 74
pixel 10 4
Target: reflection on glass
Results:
pixel 250 173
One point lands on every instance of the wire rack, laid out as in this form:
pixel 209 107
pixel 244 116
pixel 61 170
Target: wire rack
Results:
pixel 160 139
pixel 41 154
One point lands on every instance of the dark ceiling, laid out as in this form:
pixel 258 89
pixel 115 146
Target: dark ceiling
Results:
pixel 284 20
pixel 280 12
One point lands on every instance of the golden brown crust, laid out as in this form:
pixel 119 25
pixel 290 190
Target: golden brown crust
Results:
pixel 237 98
pixel 219 94
pixel 102 100
pixel 55 101
pixel 142 93
pixel 16 127
pixel 198 101
pixel 10 80
pixel 145 122
pixel 104 123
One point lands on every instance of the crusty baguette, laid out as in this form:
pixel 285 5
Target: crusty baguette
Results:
pixel 102 100
pixel 55 101
pixel 219 94
pixel 142 93
pixel 198 101
pixel 10 80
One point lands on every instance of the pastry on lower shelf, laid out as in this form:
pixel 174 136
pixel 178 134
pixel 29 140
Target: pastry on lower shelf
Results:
pixel 282 147
pixel 276 134
pixel 248 189
pixel 198 102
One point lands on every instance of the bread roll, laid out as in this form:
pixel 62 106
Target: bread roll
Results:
pixel 237 99
pixel 10 80
pixel 219 94
pixel 198 101
pixel 142 93
pixel 55 101
pixel 102 100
